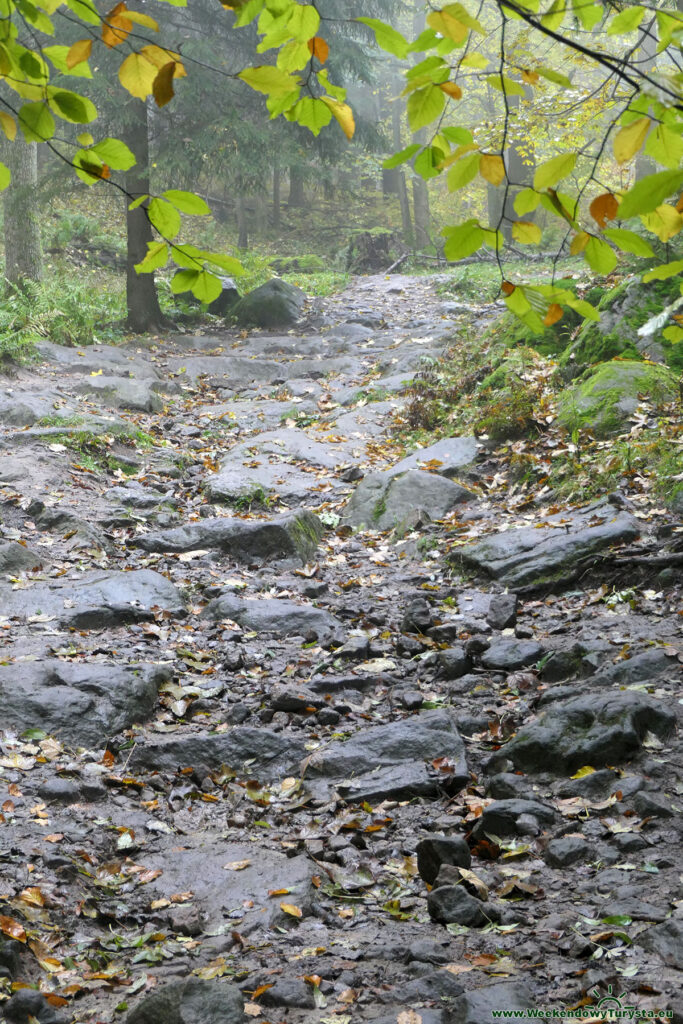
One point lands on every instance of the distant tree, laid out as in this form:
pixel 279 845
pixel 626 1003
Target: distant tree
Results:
pixel 23 251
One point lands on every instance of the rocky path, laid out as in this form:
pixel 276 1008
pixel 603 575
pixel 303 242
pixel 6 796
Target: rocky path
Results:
pixel 264 744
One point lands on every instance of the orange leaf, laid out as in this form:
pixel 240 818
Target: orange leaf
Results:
pixel 32 895
pixel 78 52
pixel 12 928
pixel 289 908
pixel 116 27
pixel 452 90
pixel 553 315
pixel 530 77
pixel 261 989
pixel 507 288
pixel 54 837
pixel 492 168
pixel 319 48
pixel 604 208
pixel 162 87
pixel 679 204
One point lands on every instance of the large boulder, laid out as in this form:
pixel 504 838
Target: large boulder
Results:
pixel 604 400
pixel 270 755
pixel 596 730
pixel 386 500
pixel 274 304
pixel 292 535
pixel 80 703
pixel 551 549
pixel 275 615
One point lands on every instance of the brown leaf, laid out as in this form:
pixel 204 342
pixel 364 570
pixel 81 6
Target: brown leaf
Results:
pixel 162 87
pixel 553 315
pixel 261 989
pixel 507 288
pixel 78 52
pixel 15 930
pixel 603 208
pixel 116 27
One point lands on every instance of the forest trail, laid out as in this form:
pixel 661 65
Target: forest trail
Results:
pixel 243 731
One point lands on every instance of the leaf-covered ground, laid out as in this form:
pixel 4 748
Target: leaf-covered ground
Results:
pixel 227 750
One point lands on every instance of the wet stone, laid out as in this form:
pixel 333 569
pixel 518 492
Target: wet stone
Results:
pixel 502 611
pixel 510 654
pixel 436 851
pixel 450 904
pixel 502 817
pixel 276 615
pixel 16 558
pixel 190 1001
pixel 560 853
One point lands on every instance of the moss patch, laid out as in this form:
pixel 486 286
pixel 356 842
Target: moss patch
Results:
pixel 604 400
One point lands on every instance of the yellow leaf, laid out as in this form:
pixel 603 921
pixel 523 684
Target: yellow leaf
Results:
pixel 160 56
pixel 8 125
pixel 143 19
pixel 78 52
pixel 32 895
pixel 289 908
pixel 452 90
pixel 492 168
pixel 319 48
pixel 526 232
pixel 137 75
pixel 236 865
pixel 447 26
pixel 664 222
pixel 583 772
pixel 343 115
pixel 628 140
pixel 530 77
pixel 162 87
pixel 96 373
pixel 579 243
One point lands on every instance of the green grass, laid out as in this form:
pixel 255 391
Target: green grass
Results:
pixel 327 282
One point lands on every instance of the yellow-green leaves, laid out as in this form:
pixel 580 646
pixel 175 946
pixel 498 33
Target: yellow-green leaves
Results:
pixel 269 80
pixel 492 168
pixel 454 22
pixel 462 172
pixel 505 85
pixel 313 114
pixel 5 177
pixel 526 232
pixel 526 201
pixel 625 21
pixel 424 106
pixel 664 221
pixel 665 146
pixel 629 241
pixel 554 16
pixel 36 122
pixel 664 271
pixel 628 140
pixel 463 240
pixel 303 22
pixel 649 193
pixel 156 257
pixel 600 256
pixel 138 72
pixel 8 125
pixel 164 217
pixel 187 202
pixel 387 38
pixel 548 174
pixel 402 156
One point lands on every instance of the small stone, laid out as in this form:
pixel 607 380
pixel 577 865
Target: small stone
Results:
pixel 417 617
pixel 437 850
pixel 502 817
pixel 453 662
pixel 652 805
pixel 567 850
pixel 502 613
pixel 510 654
pixel 411 699
pixel 28 1004
pixel 450 904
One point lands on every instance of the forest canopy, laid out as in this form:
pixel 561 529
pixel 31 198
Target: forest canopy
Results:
pixel 575 109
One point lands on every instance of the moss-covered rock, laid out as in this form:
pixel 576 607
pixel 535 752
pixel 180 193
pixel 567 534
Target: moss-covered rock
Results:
pixel 622 311
pixel 604 400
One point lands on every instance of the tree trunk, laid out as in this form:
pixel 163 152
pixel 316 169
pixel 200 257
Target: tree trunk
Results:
pixel 520 165
pixel 401 189
pixel 242 228
pixel 276 195
pixel 23 253
pixel 296 187
pixel 144 312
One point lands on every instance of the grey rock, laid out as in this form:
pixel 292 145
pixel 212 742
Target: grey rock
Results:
pixel 273 754
pixel 393 782
pixel 434 985
pixel 501 818
pixel 61 791
pixel 294 534
pixel 274 304
pixel 475 1007
pixel 596 730
pixel 295 699
pixel 666 940
pixel 532 556
pixel 10 958
pixel 96 600
pixel 417 617
pixel 435 851
pixel 135 495
pixel 454 662
pixel 108 359
pixel 652 805
pixel 384 500
pixel 228 298
pixel 448 457
pixel 508 786
pixel 421 737
pixel 16 558
pixel 450 904
pixel 560 853
pixel 190 1001
pixel 80 703
pixel 502 611
pixel 26 1005
pixel 122 393
pixel 645 666
pixel 267 464
pixel 275 615
pixel 509 654
pixel 290 992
